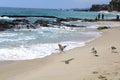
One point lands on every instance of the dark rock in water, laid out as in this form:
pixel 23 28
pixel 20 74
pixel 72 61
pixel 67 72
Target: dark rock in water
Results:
pixel 67 19
pixel 2 29
pixel 49 16
pixel 88 20
pixel 5 25
pixel 58 20
pixel 20 21
pixel 24 16
pixel 72 19
pixel 68 25
pixel 42 23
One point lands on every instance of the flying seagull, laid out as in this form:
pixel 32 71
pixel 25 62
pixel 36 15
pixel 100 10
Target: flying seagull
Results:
pixel 61 47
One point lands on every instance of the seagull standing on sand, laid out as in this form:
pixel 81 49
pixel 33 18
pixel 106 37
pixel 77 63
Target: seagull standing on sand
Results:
pixel 94 51
pixel 113 48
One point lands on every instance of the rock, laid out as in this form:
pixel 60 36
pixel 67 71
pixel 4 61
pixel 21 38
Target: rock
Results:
pixel 102 27
pixel 58 20
pixel 42 23
pixel 24 16
pixel 5 25
pixel 68 25
pixel 98 7
pixel 20 21
pixel 114 5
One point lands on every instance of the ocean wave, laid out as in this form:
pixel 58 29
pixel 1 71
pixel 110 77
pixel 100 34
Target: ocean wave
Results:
pixel 41 42
pixel 25 38
pixel 7 18
pixel 7 34
pixel 105 12
pixel 34 51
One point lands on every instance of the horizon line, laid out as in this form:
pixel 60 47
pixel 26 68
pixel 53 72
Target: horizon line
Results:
pixel 43 8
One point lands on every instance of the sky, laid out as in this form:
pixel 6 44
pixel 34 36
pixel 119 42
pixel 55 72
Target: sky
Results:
pixel 54 4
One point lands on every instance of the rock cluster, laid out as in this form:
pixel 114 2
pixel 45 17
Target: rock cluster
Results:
pixel 22 22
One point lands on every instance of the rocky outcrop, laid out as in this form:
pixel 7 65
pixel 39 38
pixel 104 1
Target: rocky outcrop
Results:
pixel 97 7
pixel 5 25
pixel 24 16
pixel 67 19
pixel 20 21
pixel 114 5
pixel 42 23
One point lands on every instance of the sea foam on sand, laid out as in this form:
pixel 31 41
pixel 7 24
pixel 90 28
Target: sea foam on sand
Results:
pixel 34 51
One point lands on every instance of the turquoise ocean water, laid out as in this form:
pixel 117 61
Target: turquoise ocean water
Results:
pixel 54 12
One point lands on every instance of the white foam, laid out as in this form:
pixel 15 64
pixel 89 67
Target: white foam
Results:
pixel 106 12
pixel 71 45
pixel 93 26
pixel 108 24
pixel 7 18
pixel 25 38
pixel 34 51
pixel 39 50
pixel 7 34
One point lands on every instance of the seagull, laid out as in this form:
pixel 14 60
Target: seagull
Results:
pixel 61 48
pixel 113 48
pixel 93 49
pixel 95 52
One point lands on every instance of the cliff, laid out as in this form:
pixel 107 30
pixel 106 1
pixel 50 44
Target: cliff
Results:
pixel 97 7
pixel 114 5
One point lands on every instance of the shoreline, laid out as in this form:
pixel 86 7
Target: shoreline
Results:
pixel 85 65
pixel 44 49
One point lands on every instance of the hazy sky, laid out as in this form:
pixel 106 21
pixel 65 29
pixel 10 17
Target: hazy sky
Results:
pixel 51 3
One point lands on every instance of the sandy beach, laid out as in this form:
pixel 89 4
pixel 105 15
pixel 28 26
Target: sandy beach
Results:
pixel 83 66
